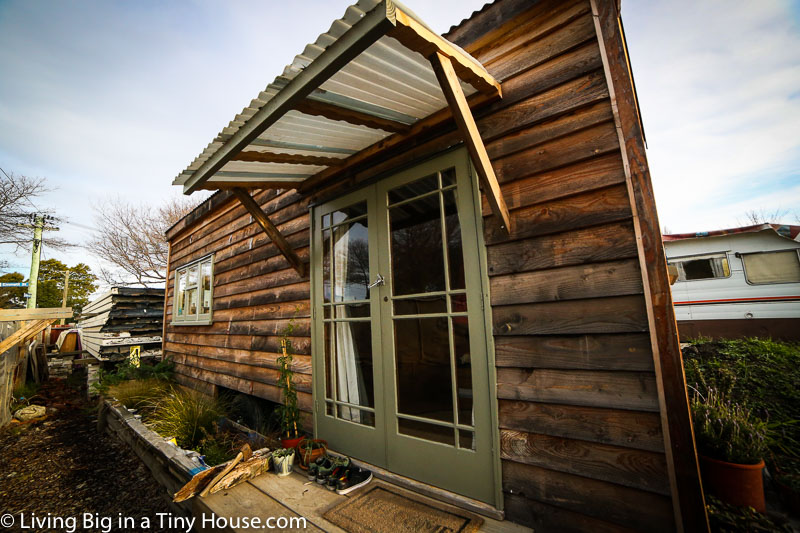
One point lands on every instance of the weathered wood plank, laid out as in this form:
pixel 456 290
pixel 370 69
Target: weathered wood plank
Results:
pixel 620 390
pixel 684 472
pixel 586 175
pixel 629 351
pixel 269 376
pixel 10 315
pixel 565 214
pixel 302 345
pixel 256 388
pixel 543 517
pixel 637 469
pixel 636 509
pixel 620 314
pixel 300 363
pixel 587 245
pixel 629 429
pixel 296 292
pixel 612 278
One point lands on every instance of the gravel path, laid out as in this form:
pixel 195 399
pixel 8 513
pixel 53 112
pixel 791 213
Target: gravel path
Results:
pixel 64 467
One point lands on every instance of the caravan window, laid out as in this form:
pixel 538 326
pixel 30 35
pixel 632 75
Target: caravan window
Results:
pixel 708 266
pixel 194 288
pixel 772 267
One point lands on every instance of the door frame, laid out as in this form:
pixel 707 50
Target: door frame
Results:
pixel 476 226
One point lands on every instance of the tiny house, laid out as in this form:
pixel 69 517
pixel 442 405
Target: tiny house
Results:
pixel 462 233
pixel 740 282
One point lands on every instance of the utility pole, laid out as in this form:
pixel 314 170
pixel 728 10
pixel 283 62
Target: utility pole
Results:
pixel 36 254
pixel 66 292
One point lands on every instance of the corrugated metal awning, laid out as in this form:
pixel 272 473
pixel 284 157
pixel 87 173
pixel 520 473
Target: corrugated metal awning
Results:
pixel 368 78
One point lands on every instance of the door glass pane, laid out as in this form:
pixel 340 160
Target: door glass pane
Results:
pixel 420 306
pixel 353 347
pixel 352 311
pixel 350 261
pixel 328 344
pixel 424 382
pixel 349 213
pixel 357 415
pixel 466 440
pixel 463 370
pixel 416 247
pixel 426 431
pixel 455 256
pixel 414 189
pixel 326 266
pixel 448 177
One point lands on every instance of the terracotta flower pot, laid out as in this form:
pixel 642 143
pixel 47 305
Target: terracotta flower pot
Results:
pixel 305 456
pixel 291 443
pixel 733 483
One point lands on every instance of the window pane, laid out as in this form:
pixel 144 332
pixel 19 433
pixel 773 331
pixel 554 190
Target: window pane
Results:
pixel 466 440
pixel 180 295
pixel 704 268
pixel 191 302
pixel 350 261
pixel 772 267
pixel 424 381
pixel 191 281
pixel 206 285
pixel 352 311
pixel 448 177
pixel 416 247
pixel 328 343
pixel 422 430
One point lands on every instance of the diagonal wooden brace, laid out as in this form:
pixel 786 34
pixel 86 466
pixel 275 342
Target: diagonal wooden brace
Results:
pixel 448 79
pixel 269 228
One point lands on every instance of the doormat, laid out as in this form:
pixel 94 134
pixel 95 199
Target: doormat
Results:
pixel 381 510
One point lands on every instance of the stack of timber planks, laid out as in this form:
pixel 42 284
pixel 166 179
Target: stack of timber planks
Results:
pixel 121 318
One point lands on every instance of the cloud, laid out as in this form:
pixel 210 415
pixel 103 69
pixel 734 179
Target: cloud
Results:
pixel 718 86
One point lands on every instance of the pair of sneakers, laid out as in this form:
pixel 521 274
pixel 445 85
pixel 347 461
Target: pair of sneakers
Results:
pixel 346 480
pixel 321 469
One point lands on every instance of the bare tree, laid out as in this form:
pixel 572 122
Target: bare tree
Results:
pixel 131 239
pixel 763 216
pixel 17 208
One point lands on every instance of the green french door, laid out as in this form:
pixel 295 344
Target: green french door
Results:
pixel 400 354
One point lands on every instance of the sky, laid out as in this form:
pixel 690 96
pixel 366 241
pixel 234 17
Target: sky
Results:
pixel 114 98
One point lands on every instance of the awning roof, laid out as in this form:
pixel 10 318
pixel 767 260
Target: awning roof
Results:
pixel 368 78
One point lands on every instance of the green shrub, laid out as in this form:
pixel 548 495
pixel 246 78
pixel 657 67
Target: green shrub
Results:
pixel 186 415
pixel 733 519
pixel 139 393
pixel 727 431
pixel 163 370
pixel 761 374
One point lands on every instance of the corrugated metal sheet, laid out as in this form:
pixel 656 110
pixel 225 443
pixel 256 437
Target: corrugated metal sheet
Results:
pixel 386 80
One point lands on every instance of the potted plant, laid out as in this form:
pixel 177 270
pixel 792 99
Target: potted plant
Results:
pixel 309 450
pixel 283 459
pixel 732 444
pixel 288 412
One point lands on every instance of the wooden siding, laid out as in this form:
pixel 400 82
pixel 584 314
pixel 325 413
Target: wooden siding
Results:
pixel 582 446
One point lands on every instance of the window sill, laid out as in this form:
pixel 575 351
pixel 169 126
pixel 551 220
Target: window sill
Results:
pixel 192 323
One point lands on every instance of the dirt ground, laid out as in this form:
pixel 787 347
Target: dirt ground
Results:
pixel 64 467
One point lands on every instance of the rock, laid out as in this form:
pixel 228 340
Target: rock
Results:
pixel 30 412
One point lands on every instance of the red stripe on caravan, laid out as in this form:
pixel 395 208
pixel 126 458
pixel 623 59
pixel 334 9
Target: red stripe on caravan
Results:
pixel 737 300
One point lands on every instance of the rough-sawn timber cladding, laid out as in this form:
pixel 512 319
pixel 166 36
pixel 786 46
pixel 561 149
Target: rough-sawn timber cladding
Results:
pixel 581 440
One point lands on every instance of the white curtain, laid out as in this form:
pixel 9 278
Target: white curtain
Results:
pixel 348 374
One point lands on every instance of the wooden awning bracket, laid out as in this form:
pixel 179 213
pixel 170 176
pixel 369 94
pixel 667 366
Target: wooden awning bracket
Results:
pixel 448 79
pixel 269 228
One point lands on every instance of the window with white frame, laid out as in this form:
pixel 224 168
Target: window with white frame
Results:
pixel 708 266
pixel 194 290
pixel 772 267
